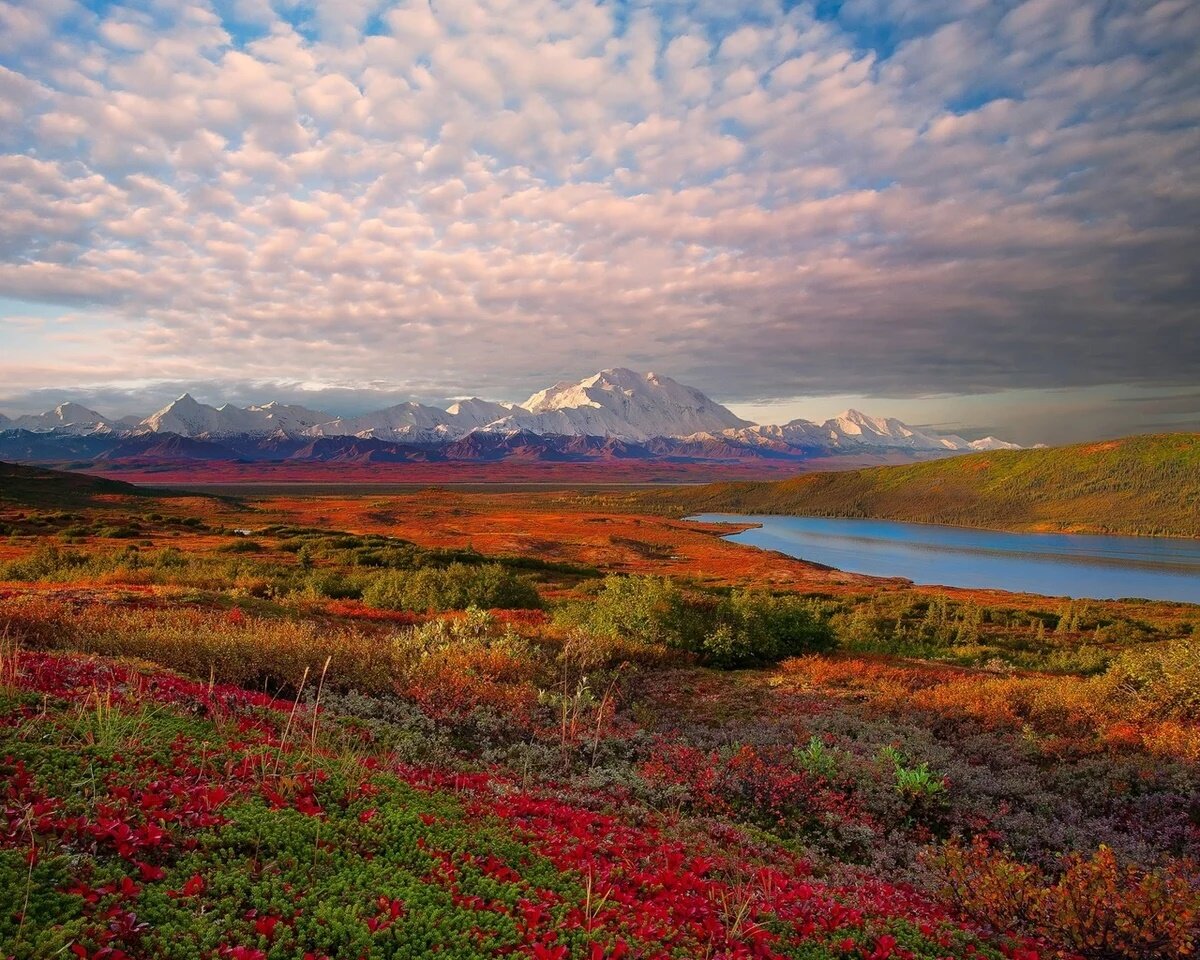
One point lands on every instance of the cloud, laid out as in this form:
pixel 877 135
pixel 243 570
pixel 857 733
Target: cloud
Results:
pixel 484 196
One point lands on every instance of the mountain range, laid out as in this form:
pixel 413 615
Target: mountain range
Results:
pixel 615 414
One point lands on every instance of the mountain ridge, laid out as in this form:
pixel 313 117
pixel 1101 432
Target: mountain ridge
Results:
pixel 615 404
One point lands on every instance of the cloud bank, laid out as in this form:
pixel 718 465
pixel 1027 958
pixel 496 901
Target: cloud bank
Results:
pixel 767 200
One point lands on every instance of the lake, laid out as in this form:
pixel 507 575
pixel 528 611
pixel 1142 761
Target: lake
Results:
pixel 1053 564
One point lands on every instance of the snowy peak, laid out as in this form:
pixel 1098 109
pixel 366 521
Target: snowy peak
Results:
pixel 474 412
pixel 854 426
pixel 993 443
pixel 66 418
pixel 889 432
pixel 621 403
pixel 856 431
pixel 856 423
pixel 75 413
pixel 551 398
pixel 185 416
pixel 188 417
pixel 414 422
pixel 290 418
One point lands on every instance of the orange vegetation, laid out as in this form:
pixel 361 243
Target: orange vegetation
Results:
pixel 1063 713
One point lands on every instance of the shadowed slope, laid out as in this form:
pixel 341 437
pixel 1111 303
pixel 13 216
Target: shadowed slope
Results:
pixel 36 486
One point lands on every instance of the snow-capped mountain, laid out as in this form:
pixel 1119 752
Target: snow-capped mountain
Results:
pixel 67 417
pixel 415 422
pixel 613 405
pixel 474 412
pixel 623 404
pixel 995 443
pixel 188 417
pixel 289 418
pixel 855 431
pixel 853 427
pixel 405 421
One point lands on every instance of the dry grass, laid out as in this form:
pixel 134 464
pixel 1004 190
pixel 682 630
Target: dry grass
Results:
pixel 254 652
pixel 9 656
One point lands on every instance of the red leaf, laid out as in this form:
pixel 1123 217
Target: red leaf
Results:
pixel 150 872
pixel 194 886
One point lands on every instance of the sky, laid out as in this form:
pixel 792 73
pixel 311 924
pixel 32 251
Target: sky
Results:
pixel 981 215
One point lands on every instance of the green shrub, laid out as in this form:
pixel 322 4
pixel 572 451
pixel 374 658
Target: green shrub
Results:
pixel 817 758
pixel 455 587
pixel 1165 679
pixel 242 546
pixel 914 782
pixel 44 562
pixel 121 532
pixel 754 626
pixel 170 558
pixel 405 556
pixel 331 585
pixel 642 609
pixel 1085 659
pixel 746 627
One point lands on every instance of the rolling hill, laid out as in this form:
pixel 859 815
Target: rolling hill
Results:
pixel 38 487
pixel 1146 485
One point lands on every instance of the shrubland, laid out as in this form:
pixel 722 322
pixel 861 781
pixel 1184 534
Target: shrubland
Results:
pixel 394 575
pixel 307 742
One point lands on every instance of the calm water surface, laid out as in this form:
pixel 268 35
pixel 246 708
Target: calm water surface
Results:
pixel 1054 564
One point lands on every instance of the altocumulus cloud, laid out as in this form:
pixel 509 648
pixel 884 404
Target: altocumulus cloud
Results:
pixel 770 200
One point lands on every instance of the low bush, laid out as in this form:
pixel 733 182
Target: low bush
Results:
pixel 640 609
pixel 743 628
pixel 1097 907
pixel 1163 680
pixel 456 587
pixel 42 564
pixel 332 585
pixel 450 665
pixel 242 546
pixel 121 532
pixel 753 626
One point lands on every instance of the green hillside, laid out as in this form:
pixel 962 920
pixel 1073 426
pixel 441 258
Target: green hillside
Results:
pixel 1147 485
